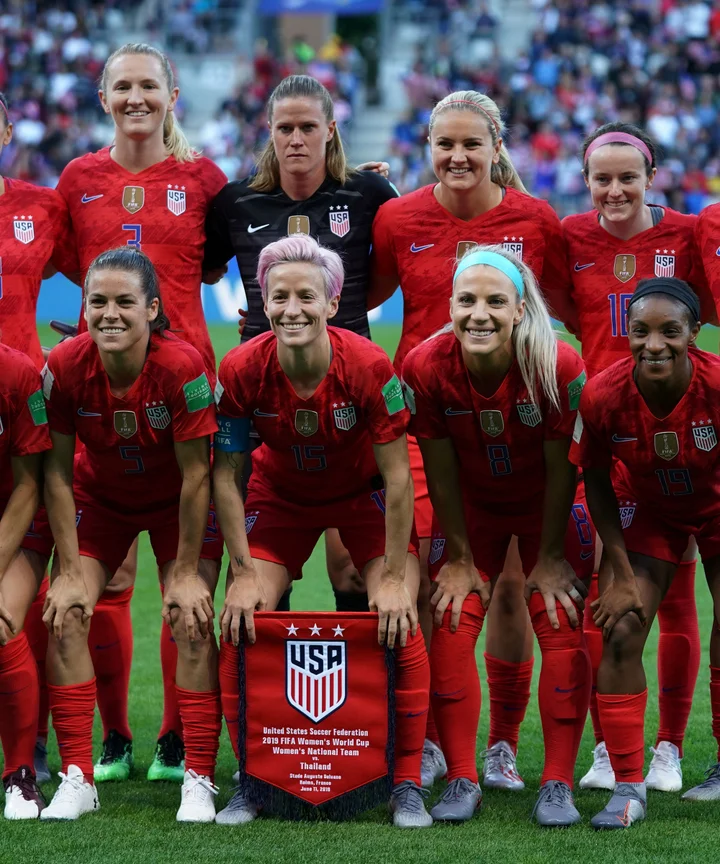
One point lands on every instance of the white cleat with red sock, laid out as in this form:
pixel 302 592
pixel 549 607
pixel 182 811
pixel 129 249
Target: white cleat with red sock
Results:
pixel 74 797
pixel 665 771
pixel 601 774
pixel 198 799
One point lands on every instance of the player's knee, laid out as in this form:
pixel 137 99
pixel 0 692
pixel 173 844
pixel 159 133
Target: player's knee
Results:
pixel 75 626
pixel 625 641
pixel 507 599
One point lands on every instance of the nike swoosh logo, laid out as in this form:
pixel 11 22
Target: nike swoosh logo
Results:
pixel 13 692
pixel 585 555
pixel 671 689
pixel 83 413
pixel 570 690
pixel 86 199
pixel 717 251
pixel 579 266
pixel 258 413
pixel 452 412
pixel 416 713
pixel 415 248
pixel 253 228
pixel 109 645
pixel 448 695
pixel 617 439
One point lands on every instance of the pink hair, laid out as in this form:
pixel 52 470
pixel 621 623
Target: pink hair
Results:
pixel 301 247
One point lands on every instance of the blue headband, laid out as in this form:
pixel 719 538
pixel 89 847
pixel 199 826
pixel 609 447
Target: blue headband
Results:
pixel 492 259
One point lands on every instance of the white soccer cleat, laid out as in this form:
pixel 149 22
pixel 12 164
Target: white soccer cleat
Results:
pixel 238 811
pixel 23 798
pixel 500 768
pixel 197 799
pixel 433 765
pixel 601 774
pixel 407 806
pixel 73 797
pixel 665 771
pixel 709 789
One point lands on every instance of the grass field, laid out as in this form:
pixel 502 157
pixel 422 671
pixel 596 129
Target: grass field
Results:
pixel 137 819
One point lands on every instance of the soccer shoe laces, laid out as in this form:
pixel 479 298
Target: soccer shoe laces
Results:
pixel 458 790
pixel 24 781
pixel 115 748
pixel 712 775
pixel 239 800
pixel 553 793
pixel 664 757
pixel 170 749
pixel 410 796
pixel 198 788
pixel 628 790
pixel 500 757
pixel 69 787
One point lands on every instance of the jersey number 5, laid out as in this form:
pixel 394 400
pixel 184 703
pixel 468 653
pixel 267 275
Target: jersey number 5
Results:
pixel 132 454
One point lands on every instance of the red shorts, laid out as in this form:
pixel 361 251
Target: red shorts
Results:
pixel 490 533
pixel 647 532
pixel 423 507
pixel 286 533
pixel 107 534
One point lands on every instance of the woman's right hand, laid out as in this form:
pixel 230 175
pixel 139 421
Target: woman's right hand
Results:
pixel 617 600
pixel 67 591
pixel 245 595
pixel 455 581
pixel 243 313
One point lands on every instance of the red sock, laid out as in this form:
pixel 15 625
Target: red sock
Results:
pixel 202 720
pixel 412 695
pixel 171 721
pixel 19 699
pixel 509 686
pixel 563 692
pixel 594 640
pixel 37 635
pixel 431 732
pixel 229 690
pixel 715 704
pixel 678 655
pixel 111 648
pixel 623 721
pixel 455 688
pixel 73 709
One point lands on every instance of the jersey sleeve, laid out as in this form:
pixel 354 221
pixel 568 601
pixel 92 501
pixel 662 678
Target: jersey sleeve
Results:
pixel 590 447
pixel 571 378
pixel 64 256
pixel 29 427
pixel 213 180
pixel 383 402
pixel 555 281
pixel 60 412
pixel 218 244
pixel 383 268
pixel 191 403
pixel 230 399
pixel 698 279
pixel 426 416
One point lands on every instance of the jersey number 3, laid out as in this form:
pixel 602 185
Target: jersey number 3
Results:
pixel 136 238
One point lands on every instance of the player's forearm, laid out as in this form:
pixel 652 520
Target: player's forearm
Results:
pixel 60 506
pixel 399 506
pixel 192 519
pixel 604 512
pixel 560 488
pixel 231 516
pixel 16 519
pixel 446 498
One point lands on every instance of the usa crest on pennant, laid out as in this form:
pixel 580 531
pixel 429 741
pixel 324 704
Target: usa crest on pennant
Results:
pixel 158 415
pixel 345 417
pixel 529 414
pixel 339 222
pixel 24 229
pixel 664 263
pixel 176 199
pixel 704 436
pixel 316 677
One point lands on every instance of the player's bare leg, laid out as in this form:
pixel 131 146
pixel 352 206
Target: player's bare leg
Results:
pixel 509 661
pixel 198 695
pixel 709 789
pixel 412 694
pixel 72 693
pixel 622 696
pixel 275 580
pixel 347 584
pixel 19 685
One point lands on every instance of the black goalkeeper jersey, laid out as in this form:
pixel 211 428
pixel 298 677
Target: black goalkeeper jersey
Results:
pixel 242 221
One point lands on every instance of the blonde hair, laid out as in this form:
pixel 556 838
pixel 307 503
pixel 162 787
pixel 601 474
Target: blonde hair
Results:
pixel 503 173
pixel 174 138
pixel 267 176
pixel 534 339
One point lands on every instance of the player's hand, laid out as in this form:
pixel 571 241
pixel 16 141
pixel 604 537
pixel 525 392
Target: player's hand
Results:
pixel 618 599
pixel 191 596
pixel 245 595
pixel 556 581
pixel 7 628
pixel 66 592
pixel 396 612
pixel 381 168
pixel 452 585
pixel 242 313
pixel 212 277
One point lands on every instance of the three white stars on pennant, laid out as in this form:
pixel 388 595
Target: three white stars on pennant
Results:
pixel 315 630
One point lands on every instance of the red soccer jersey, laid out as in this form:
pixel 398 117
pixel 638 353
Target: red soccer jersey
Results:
pixel 34 230
pixel 671 464
pixel 419 240
pixel 320 449
pixel 23 422
pixel 162 211
pixel 128 461
pixel 605 272
pixel 498 439
pixel 707 239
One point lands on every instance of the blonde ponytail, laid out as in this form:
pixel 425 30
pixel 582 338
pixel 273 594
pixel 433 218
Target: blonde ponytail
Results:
pixel 503 173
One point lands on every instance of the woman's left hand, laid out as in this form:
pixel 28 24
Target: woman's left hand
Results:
pixel 192 597
pixel 381 168
pixel 556 580
pixel 396 612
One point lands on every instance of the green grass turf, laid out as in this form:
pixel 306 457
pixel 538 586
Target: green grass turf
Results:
pixel 137 819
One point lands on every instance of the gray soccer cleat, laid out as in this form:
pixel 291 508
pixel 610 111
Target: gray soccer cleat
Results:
pixel 555 806
pixel 238 811
pixel 433 765
pixel 500 768
pixel 627 805
pixel 459 802
pixel 407 806
pixel 40 762
pixel 709 789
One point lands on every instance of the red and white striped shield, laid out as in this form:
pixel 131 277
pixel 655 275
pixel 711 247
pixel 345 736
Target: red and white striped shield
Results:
pixel 664 263
pixel 316 677
pixel 339 222
pixel 176 200
pixel 24 229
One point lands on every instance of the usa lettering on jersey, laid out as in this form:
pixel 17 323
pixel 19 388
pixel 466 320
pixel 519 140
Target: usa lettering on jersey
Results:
pixel 627 512
pixel 24 229
pixel 436 550
pixel 339 221
pixel 664 263
pixel 176 199
pixel 514 245
pixel 529 414
pixel 704 435
pixel 344 415
pixel 158 415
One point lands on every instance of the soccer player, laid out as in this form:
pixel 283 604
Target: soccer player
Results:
pixel 479 198
pixel 647 444
pixel 151 191
pixel 621 240
pixel 23 439
pixel 139 401
pixel 303 185
pixel 331 416
pixel 494 397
